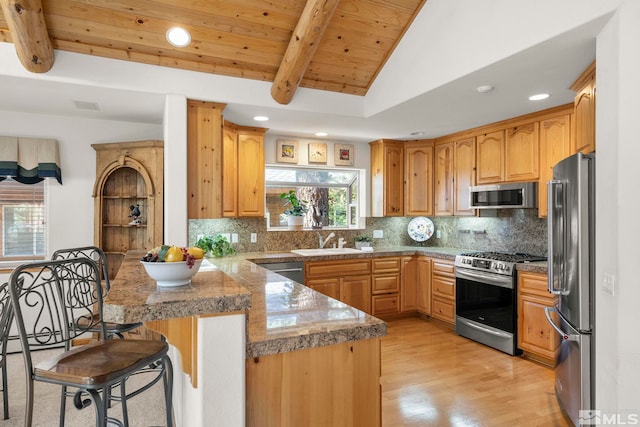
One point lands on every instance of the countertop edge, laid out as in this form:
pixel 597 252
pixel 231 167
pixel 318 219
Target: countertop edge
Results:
pixel 315 340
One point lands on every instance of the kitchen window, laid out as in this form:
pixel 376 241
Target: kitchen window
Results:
pixel 333 195
pixel 22 221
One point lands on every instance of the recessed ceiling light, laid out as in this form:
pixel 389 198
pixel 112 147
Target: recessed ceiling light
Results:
pixel 417 133
pixel 538 97
pixel 484 88
pixel 321 134
pixel 261 118
pixel 178 37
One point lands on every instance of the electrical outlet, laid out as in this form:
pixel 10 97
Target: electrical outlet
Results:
pixel 438 234
pixel 254 237
pixel 226 236
pixel 234 238
pixel 378 234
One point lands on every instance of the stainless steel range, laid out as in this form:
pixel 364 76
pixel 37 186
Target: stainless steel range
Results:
pixel 486 307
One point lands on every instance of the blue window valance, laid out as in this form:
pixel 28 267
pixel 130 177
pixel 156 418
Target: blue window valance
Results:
pixel 29 160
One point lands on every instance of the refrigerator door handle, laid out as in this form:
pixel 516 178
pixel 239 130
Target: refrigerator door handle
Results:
pixel 565 335
pixel 555 236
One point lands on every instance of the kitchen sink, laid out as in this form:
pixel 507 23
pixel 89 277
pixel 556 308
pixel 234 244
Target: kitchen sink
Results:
pixel 326 251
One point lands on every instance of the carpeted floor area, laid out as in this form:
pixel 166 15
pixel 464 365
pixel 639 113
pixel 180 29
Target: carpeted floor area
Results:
pixel 145 410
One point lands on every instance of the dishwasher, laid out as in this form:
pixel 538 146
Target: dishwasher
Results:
pixel 291 270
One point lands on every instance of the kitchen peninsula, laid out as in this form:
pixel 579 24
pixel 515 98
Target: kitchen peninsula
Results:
pixel 247 335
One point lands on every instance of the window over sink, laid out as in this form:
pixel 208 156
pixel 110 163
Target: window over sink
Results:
pixel 334 196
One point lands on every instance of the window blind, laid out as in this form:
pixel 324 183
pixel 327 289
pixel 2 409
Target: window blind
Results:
pixel 22 220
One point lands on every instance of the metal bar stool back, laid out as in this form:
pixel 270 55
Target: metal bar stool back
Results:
pixel 6 318
pixel 57 294
pixel 96 254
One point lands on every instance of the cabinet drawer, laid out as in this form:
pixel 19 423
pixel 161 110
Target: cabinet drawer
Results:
pixel 386 284
pixel 443 310
pixel 385 304
pixel 443 287
pixel 385 265
pixel 533 283
pixel 443 268
pixel 336 268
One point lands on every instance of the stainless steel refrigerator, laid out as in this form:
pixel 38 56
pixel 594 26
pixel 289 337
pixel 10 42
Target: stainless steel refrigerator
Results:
pixel 571 267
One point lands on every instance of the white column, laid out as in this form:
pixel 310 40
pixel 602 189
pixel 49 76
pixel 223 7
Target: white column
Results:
pixel 219 399
pixel 176 224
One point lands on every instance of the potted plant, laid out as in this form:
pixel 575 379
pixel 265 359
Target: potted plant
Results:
pixel 217 245
pixel 295 209
pixel 362 240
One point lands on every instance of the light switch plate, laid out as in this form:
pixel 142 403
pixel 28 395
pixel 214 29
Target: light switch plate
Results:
pixel 254 237
pixel 378 234
pixel 234 238
pixel 609 283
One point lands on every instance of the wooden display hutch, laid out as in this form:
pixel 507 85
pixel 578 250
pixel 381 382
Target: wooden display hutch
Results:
pixel 128 174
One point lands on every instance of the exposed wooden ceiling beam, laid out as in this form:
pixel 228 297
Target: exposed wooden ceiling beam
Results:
pixel 303 44
pixel 29 34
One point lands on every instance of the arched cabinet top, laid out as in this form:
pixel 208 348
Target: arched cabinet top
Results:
pixel 123 161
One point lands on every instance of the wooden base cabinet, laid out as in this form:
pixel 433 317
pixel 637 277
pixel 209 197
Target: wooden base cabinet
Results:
pixel 346 280
pixel 443 291
pixel 336 385
pixel 536 337
pixel 423 293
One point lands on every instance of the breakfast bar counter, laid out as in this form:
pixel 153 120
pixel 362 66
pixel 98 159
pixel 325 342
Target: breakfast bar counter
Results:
pixel 245 335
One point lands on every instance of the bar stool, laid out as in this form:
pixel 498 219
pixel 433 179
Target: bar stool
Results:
pixel 6 317
pixel 57 294
pixel 96 254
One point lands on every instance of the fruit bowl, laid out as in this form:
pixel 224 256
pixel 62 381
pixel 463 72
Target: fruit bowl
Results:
pixel 168 274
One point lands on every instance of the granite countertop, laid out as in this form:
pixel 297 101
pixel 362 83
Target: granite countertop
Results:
pixel 282 315
pixel 286 316
pixel 135 297
pixel 267 257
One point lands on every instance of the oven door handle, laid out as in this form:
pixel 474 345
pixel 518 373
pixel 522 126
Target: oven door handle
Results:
pixel 488 331
pixel 489 278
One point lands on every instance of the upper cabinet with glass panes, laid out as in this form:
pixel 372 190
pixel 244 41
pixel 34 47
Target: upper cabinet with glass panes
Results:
pixel 333 196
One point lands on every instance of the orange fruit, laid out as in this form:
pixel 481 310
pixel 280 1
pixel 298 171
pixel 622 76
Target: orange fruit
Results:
pixel 174 254
pixel 196 252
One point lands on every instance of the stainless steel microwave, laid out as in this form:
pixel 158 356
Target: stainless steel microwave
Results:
pixel 504 196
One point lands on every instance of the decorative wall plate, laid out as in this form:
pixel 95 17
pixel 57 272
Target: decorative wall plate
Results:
pixel 420 228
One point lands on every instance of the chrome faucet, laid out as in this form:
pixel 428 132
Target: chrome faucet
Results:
pixel 323 242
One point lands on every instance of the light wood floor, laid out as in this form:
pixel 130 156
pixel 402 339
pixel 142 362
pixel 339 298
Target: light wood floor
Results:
pixel 433 377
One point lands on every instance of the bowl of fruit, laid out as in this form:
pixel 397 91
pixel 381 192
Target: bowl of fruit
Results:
pixel 172 265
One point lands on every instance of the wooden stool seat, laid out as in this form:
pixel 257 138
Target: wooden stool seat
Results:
pixel 100 363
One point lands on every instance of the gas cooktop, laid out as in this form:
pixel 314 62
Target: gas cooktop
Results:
pixel 495 262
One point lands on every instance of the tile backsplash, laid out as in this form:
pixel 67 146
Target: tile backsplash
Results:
pixel 512 230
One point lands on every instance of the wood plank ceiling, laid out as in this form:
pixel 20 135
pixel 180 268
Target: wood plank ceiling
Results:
pixel 240 38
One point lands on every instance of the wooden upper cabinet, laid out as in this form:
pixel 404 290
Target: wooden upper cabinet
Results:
pixel 387 178
pixel 490 157
pixel 585 111
pixel 418 178
pixel 555 145
pixel 229 170
pixel 443 179
pixel 250 171
pixel 464 166
pixel 204 159
pixel 522 153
